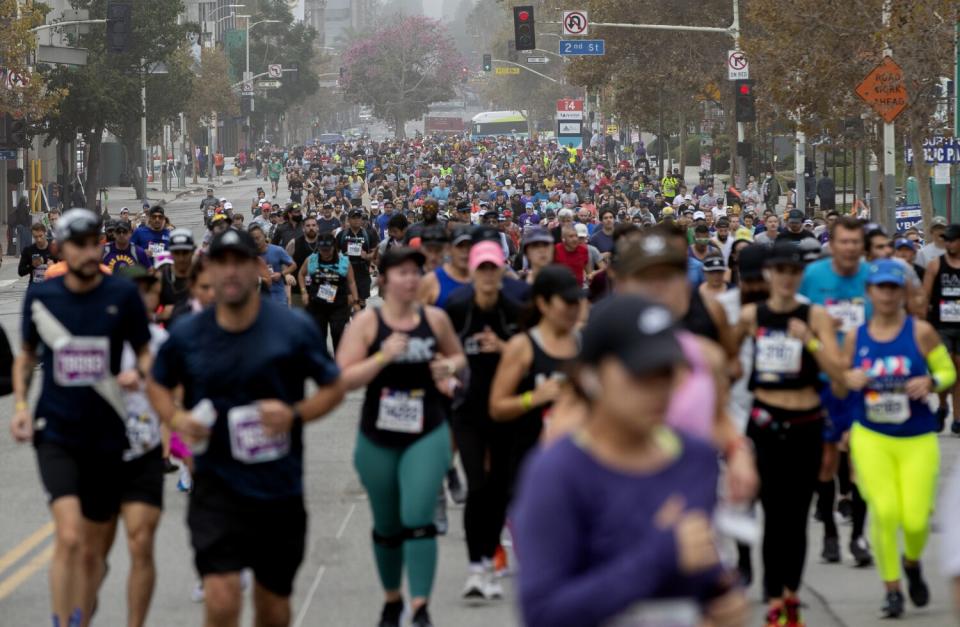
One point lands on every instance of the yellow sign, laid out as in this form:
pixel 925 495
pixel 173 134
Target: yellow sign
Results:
pixel 612 129
pixel 507 70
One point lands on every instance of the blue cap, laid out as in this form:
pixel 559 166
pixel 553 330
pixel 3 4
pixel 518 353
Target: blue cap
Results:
pixel 887 271
pixel 903 243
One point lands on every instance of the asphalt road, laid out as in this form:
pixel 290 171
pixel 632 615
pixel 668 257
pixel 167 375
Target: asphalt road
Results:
pixel 337 583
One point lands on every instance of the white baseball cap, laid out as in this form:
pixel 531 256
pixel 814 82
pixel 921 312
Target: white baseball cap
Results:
pixel 699 215
pixel 582 230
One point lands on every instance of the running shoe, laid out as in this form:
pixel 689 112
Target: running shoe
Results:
pixel 197 594
pixel 861 552
pixel 791 614
pixel 492 588
pixel 942 414
pixel 169 466
pixel 845 508
pixel 775 617
pixel 916 586
pixel 501 566
pixel 831 551
pixel 474 588
pixel 391 614
pixel 955 427
pixel 440 514
pixel 892 605
pixel 457 490
pixel 422 618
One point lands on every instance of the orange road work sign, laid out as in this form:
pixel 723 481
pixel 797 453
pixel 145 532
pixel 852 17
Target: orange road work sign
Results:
pixel 883 89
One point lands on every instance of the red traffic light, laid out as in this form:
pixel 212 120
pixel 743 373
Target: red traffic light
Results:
pixel 745 90
pixel 523 16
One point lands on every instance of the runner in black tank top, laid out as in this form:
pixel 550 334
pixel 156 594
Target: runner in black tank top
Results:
pixel 698 319
pixel 941 284
pixel 301 248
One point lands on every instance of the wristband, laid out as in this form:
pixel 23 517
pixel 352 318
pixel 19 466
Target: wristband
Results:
pixel 379 358
pixel 814 345
pixel 20 405
pixel 526 400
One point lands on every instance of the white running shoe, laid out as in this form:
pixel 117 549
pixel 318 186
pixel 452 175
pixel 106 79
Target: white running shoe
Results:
pixel 492 588
pixel 475 588
pixel 197 594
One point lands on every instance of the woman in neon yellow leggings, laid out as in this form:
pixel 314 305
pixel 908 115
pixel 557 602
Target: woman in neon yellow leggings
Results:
pixel 897 363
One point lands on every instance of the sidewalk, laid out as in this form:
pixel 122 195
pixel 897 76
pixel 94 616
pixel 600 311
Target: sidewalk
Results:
pixel 118 197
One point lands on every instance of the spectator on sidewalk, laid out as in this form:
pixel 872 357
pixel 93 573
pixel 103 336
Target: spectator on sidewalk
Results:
pixel 827 192
pixel 21 222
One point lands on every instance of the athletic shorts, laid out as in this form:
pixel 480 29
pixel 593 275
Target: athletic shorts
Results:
pixel 840 413
pixel 143 479
pixel 951 339
pixel 230 532
pixel 94 477
pixel 361 274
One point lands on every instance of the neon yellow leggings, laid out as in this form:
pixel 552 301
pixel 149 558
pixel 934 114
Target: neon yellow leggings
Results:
pixel 898 479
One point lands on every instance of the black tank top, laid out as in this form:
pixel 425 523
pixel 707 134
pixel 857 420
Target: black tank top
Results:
pixel 698 320
pixel 781 362
pixel 401 403
pixel 542 367
pixel 301 250
pixel 945 297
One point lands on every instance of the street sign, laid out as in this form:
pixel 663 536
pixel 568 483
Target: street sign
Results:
pixel 537 60
pixel 15 80
pixel 570 109
pixel 582 47
pixel 937 150
pixel 908 216
pixel 569 115
pixel 883 89
pixel 269 85
pixel 612 129
pixel 737 66
pixel 568 128
pixel 8 154
pixel 275 70
pixel 941 174
pixel 247 89
pixel 506 70
pixel 575 23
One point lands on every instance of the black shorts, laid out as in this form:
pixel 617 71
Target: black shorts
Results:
pixel 951 339
pixel 230 532
pixel 361 274
pixel 94 477
pixel 143 479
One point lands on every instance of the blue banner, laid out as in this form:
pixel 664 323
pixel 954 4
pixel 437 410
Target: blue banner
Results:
pixel 909 216
pixel 937 150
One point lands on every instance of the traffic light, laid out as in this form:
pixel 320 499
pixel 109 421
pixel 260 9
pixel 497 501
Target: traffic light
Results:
pixel 119 26
pixel 512 51
pixel 17 132
pixel 464 74
pixel 523 28
pixel 487 63
pixel 746 111
pixel 246 105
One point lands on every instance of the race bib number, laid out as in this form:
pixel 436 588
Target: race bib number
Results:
pixel 851 315
pixel 81 361
pixel 887 407
pixel 778 354
pixel 400 411
pixel 156 247
pixel 661 613
pixel 327 292
pixel 950 311
pixel 248 442
pixel 143 435
pixel 354 249
pixel 40 273
pixel 209 213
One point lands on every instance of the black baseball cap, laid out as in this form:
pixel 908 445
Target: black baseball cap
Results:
pixel 795 215
pixel 750 261
pixel 355 213
pixel 327 238
pixel 556 280
pixel 650 251
pixel 233 240
pixel 639 333
pixel 398 255
pixel 434 235
pixel 714 263
pixel 155 210
pixel 461 235
pixel 952 233
pixel 121 225
pixel 784 252
pixel 181 239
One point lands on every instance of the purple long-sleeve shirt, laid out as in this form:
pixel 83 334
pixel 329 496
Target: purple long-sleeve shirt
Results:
pixel 587 544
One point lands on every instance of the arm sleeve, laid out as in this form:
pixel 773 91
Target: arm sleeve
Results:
pixel 556 590
pixel 941 367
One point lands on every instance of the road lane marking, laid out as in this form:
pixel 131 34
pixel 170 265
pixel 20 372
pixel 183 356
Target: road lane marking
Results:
pixel 343 525
pixel 28 544
pixel 302 614
pixel 26 571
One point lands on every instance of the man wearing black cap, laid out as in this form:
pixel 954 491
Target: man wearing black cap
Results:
pixel 82 320
pixel 208 203
pixel 153 237
pixel 291 229
pixel 795 231
pixel 436 286
pixel 121 252
pixel 246 508
pixel 354 242
pixel 327 221
pixel 430 212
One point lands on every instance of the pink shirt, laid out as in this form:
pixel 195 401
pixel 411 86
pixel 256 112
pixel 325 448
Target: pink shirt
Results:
pixel 693 406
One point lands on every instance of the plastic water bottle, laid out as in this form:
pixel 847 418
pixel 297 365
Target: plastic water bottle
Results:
pixel 205 414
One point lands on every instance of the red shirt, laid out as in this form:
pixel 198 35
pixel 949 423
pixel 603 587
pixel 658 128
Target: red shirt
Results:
pixel 576 260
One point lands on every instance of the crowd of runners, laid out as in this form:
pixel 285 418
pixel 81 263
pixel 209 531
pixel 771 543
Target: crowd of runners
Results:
pixel 631 374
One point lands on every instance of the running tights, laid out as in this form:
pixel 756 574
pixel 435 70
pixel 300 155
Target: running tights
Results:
pixel 898 479
pixel 788 462
pixel 334 318
pixel 402 485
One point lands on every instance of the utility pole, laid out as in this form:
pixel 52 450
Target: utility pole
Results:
pixel 144 156
pixel 889 157
pixel 741 181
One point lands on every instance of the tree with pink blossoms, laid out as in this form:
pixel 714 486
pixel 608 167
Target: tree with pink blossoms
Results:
pixel 399 70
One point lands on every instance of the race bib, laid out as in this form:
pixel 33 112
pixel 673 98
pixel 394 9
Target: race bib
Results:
pixel 658 613
pixel 778 354
pixel 400 411
pixel 40 273
pixel 81 361
pixel 950 311
pixel 327 292
pixel 248 442
pixel 851 315
pixel 887 407
pixel 156 247
pixel 209 213
pixel 354 249
pixel 143 435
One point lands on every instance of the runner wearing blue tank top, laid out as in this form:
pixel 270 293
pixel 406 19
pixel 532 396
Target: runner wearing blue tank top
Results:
pixel 454 272
pixel 839 285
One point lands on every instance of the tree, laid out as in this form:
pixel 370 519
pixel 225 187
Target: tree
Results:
pixel 401 69
pixel 207 88
pixel 17 45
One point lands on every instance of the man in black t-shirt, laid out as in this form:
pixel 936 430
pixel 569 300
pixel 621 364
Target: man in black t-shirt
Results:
pixel 37 256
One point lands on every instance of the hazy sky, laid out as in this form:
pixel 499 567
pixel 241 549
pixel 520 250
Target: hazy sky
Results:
pixel 433 8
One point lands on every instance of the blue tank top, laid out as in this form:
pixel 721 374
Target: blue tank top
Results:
pixel 886 407
pixel 447 285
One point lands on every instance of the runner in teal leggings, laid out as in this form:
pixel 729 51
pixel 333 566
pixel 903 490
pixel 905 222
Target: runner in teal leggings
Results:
pixel 406 355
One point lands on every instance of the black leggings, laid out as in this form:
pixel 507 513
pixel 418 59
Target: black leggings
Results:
pixel 789 447
pixel 491 454
pixel 335 317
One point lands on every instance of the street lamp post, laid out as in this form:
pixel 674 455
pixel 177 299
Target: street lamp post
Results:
pixel 246 72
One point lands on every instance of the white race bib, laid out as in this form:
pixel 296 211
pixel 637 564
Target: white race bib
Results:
pixel 354 249
pixel 778 354
pixel 248 442
pixel 40 273
pixel 950 311
pixel 156 247
pixel 851 315
pixel 81 361
pixel 400 411
pixel 327 292
pixel 887 407
pixel 658 613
